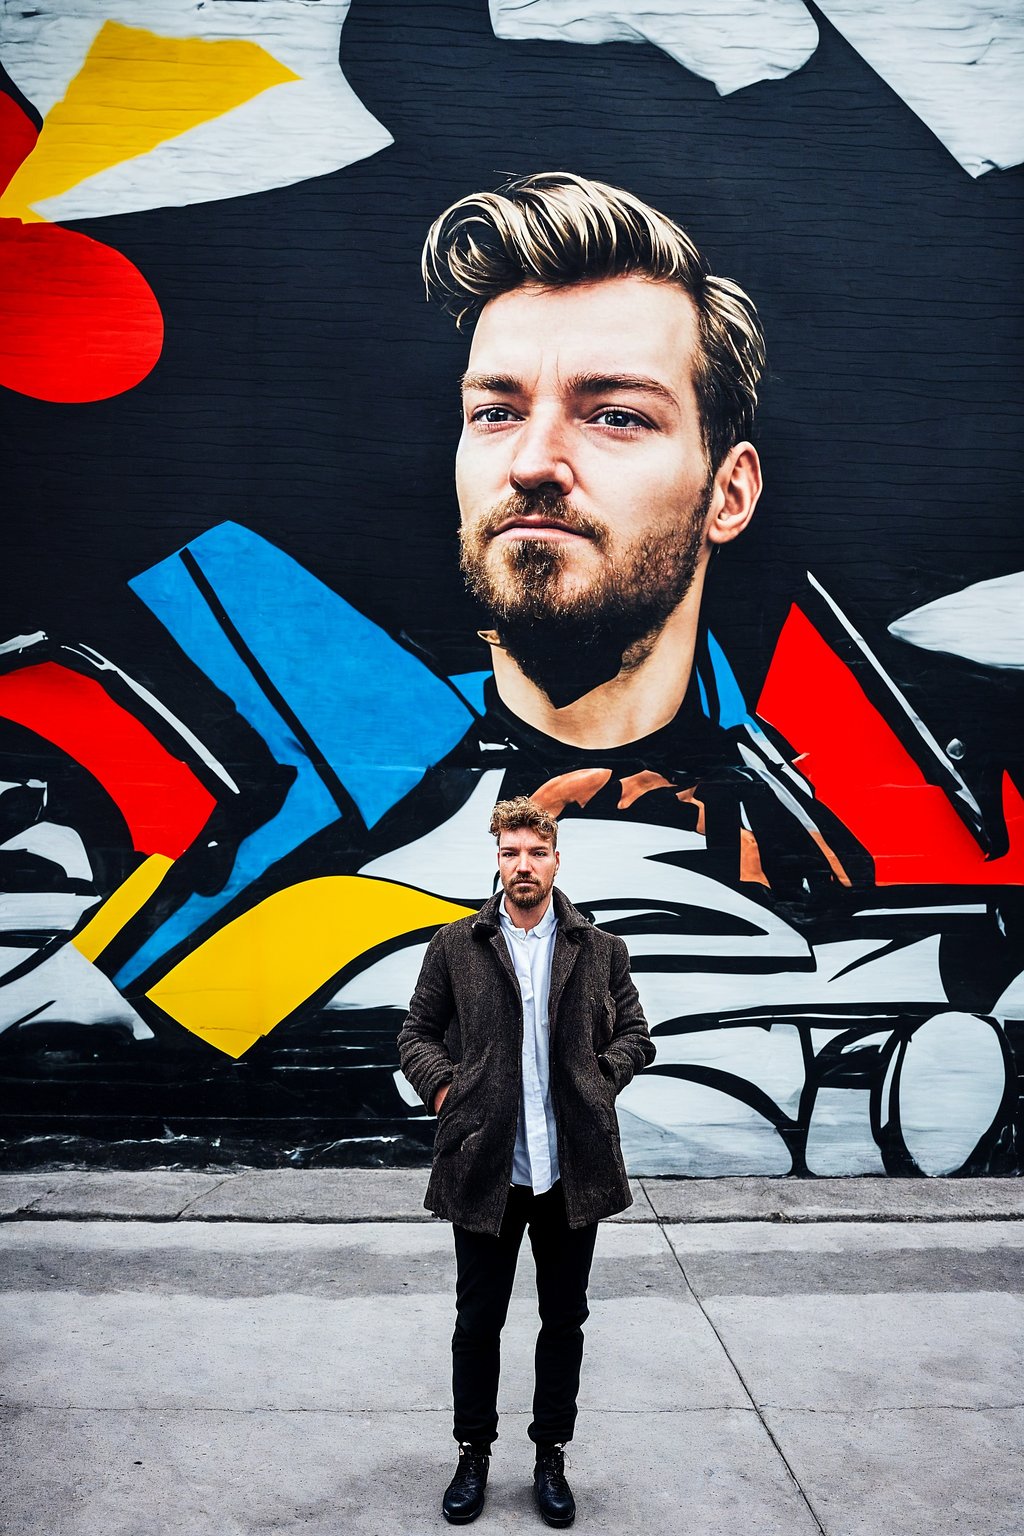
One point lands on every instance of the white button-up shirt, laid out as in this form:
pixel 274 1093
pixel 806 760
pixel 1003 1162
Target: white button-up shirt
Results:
pixel 535 1161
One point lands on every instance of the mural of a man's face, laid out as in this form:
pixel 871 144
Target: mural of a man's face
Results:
pixel 582 476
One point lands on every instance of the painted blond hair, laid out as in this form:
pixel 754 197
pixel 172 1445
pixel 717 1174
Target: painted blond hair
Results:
pixel 555 228
pixel 513 815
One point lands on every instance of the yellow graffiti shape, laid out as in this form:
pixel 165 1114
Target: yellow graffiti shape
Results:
pixel 135 91
pixel 129 898
pixel 258 969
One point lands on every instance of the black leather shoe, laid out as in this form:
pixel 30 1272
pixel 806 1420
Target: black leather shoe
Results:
pixel 464 1497
pixel 553 1494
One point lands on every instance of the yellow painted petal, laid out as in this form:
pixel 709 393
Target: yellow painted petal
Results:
pixel 130 896
pixel 134 91
pixel 257 970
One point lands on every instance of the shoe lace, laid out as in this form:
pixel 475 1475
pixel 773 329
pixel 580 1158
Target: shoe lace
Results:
pixel 555 1460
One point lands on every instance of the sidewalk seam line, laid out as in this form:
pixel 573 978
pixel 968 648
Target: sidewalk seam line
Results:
pixel 742 1381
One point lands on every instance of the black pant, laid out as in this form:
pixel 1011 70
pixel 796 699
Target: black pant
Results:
pixel 486 1271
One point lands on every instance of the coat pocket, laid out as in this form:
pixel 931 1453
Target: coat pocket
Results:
pixel 604 1025
pixel 448 1101
pixel 449 1133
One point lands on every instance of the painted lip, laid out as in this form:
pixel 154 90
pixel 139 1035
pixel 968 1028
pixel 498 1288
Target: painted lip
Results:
pixel 537 527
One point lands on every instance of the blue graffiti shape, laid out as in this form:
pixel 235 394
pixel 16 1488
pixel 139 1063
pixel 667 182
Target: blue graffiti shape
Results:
pixel 471 686
pixel 329 691
pixel 732 708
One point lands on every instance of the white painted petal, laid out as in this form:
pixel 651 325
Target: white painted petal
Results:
pixel 983 622
pixel 732 43
pixel 958 64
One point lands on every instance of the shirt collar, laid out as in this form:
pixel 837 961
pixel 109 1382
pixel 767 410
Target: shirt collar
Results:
pixel 543 928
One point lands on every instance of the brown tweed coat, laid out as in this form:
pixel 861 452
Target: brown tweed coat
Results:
pixel 465 1027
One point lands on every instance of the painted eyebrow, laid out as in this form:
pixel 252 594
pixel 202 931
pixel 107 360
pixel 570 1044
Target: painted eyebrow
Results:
pixel 579 384
pixel 613 383
pixel 491 383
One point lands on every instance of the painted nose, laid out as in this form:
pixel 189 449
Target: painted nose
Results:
pixel 541 461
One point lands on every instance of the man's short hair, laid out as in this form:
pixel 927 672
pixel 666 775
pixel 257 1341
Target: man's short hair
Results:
pixel 557 229
pixel 514 815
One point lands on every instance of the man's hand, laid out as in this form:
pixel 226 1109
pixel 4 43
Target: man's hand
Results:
pixel 440 1097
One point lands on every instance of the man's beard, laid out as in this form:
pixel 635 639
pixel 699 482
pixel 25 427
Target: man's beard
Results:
pixel 526 897
pixel 569 645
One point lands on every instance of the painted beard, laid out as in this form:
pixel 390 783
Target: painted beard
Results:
pixel 569 645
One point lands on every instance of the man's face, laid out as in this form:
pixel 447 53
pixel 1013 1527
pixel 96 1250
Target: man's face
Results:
pixel 527 865
pixel 581 472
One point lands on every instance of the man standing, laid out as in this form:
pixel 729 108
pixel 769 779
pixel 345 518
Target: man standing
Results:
pixel 523 1027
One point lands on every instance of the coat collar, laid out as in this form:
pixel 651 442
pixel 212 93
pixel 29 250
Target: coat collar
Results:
pixel 570 922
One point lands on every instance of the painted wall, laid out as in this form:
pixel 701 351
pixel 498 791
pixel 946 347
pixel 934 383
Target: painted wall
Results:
pixel 249 743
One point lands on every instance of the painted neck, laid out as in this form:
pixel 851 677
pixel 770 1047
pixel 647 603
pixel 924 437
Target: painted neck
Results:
pixel 633 704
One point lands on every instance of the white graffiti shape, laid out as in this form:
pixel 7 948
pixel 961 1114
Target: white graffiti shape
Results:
pixel 1010 1004
pixel 449 861
pixel 983 622
pixel 66 988
pixel 949 1087
pixel 59 844
pixel 671 1126
pixel 732 43
pixel 958 64
pixel 161 103
pixel 839 1139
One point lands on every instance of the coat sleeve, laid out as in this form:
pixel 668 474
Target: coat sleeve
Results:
pixel 631 1047
pixel 421 1050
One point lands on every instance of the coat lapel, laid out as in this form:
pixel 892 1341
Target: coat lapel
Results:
pixel 562 962
pixel 501 950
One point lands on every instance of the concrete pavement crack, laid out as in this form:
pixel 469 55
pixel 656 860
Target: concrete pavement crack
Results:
pixel 742 1381
pixel 219 1185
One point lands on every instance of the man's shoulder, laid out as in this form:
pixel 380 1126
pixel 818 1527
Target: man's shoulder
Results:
pixel 475 925
pixel 580 926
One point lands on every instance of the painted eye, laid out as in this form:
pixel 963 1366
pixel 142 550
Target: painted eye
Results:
pixel 619 419
pixel 493 415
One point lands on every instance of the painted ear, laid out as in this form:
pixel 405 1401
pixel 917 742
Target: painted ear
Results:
pixel 736 492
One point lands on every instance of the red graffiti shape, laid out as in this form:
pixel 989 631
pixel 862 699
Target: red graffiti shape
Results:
pixel 78 321
pixel 159 796
pixel 862 772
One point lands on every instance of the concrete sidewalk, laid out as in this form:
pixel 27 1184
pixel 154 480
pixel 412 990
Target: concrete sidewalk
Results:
pixel 365 1194
pixel 216 1355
